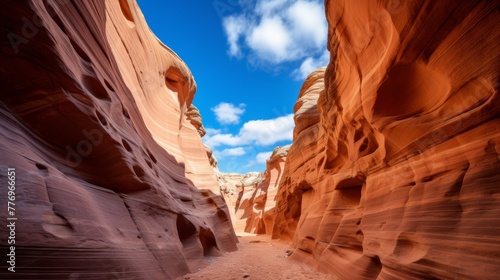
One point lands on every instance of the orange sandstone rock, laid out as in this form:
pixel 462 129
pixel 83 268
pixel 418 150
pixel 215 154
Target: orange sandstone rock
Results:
pixel 252 195
pixel 193 115
pixel 237 190
pixel 96 118
pixel 259 207
pixel 394 175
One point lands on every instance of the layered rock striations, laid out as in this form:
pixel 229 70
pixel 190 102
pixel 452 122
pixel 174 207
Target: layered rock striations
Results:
pixel 263 199
pixel 256 208
pixel 251 197
pixel 301 168
pixel 394 173
pixel 237 191
pixel 112 179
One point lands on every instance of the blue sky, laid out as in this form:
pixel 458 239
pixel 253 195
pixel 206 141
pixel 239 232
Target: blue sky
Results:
pixel 249 59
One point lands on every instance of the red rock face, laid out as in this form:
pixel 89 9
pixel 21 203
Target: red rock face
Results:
pixel 395 174
pixel 258 207
pixel 238 191
pixel 95 119
pixel 300 167
pixel 251 197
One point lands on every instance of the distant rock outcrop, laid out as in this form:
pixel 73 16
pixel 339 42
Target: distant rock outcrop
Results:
pixel 193 115
pixel 263 200
pixel 394 174
pixel 113 180
pixel 250 197
pixel 237 190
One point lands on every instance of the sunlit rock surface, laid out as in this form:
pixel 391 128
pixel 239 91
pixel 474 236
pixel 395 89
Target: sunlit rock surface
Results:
pixel 301 168
pixel 113 180
pixel 263 200
pixel 251 197
pixel 395 173
pixel 237 191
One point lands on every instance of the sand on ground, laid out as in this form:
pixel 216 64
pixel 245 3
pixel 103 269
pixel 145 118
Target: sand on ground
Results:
pixel 259 257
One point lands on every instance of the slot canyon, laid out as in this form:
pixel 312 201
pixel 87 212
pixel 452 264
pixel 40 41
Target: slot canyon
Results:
pixel 393 171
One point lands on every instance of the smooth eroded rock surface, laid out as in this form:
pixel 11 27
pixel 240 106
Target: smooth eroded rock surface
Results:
pixel 112 180
pixel 251 197
pixel 238 190
pixel 393 173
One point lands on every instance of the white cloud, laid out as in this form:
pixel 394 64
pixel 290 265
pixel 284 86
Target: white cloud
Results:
pixel 269 6
pixel 308 22
pixel 227 113
pixel 256 132
pixel 263 157
pixel 234 28
pixel 310 64
pixel 239 151
pixel 223 139
pixel 268 132
pixel 212 131
pixel 270 39
pixel 277 31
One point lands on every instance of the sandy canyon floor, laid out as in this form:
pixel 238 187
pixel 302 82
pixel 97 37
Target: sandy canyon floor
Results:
pixel 258 257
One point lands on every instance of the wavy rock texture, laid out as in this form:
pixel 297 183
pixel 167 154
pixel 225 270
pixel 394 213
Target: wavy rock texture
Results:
pixel 193 115
pixel 263 200
pixel 96 118
pixel 252 196
pixel 395 174
pixel 237 190
pixel 301 167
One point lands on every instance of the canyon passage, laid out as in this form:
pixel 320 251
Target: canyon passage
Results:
pixel 392 172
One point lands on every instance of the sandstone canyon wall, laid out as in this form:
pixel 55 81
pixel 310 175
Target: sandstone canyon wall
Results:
pixel 252 196
pixel 264 198
pixel 300 168
pixel 112 180
pixel 393 173
pixel 237 191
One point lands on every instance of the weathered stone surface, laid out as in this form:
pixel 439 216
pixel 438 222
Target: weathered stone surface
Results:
pixel 395 175
pixel 301 167
pixel 212 160
pixel 237 190
pixel 94 118
pixel 252 195
pixel 264 201
pixel 193 115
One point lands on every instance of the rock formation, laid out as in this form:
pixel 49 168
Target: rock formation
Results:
pixel 252 196
pixel 237 190
pixel 112 180
pixel 264 201
pixel 301 167
pixel 193 115
pixel 394 173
